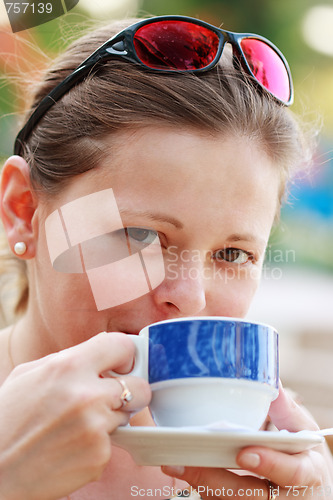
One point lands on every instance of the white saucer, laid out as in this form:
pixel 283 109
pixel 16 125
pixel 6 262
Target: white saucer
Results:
pixel 203 447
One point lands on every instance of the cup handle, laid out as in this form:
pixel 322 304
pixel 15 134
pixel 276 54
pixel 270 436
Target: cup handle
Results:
pixel 140 368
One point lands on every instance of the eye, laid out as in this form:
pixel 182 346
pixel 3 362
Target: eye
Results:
pixel 141 235
pixel 233 255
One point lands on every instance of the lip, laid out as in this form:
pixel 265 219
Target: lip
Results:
pixel 125 331
pixel 132 331
pixel 137 330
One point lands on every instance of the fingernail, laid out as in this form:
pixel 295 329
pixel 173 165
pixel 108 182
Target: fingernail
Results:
pixel 173 470
pixel 250 460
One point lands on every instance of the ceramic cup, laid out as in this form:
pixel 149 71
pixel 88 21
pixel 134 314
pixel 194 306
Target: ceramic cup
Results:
pixel 209 370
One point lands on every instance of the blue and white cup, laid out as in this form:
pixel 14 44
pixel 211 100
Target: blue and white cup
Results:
pixel 209 370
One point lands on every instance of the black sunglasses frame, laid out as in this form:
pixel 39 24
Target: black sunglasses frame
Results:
pixel 122 46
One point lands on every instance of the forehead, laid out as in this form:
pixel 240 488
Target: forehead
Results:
pixel 192 163
pixel 185 172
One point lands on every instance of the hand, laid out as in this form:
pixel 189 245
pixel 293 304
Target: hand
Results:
pixel 56 416
pixel 308 475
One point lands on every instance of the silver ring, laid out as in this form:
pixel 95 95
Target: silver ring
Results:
pixel 126 396
pixel 272 491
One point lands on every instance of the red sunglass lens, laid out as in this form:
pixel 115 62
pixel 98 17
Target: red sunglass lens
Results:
pixel 267 67
pixel 178 45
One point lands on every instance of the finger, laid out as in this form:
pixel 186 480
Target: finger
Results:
pixel 117 419
pixel 30 365
pixel 219 483
pixel 281 468
pixel 286 414
pixel 139 390
pixel 106 351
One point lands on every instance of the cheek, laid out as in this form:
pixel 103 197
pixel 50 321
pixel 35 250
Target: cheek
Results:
pixel 61 292
pixel 232 294
pixel 68 307
pixel 64 294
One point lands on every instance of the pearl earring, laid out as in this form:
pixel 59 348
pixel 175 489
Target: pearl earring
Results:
pixel 20 248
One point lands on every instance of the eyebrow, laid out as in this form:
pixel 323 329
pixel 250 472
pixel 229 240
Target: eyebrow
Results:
pixel 153 216
pixel 246 237
pixel 179 225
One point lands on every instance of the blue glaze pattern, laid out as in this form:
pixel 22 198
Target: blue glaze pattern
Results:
pixel 213 348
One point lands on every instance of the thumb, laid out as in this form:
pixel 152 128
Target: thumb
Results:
pixel 207 481
pixel 285 413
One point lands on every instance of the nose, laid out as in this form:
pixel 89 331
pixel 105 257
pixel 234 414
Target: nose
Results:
pixel 183 292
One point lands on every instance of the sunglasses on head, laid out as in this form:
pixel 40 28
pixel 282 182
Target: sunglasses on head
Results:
pixel 178 44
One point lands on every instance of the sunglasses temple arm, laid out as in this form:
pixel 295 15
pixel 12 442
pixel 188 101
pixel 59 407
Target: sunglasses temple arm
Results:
pixel 54 96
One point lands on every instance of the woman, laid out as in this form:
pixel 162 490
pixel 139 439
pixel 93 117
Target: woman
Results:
pixel 122 157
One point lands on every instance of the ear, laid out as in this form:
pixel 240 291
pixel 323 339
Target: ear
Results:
pixel 18 204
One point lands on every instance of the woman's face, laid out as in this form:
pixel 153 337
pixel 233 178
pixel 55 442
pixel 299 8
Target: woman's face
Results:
pixel 211 200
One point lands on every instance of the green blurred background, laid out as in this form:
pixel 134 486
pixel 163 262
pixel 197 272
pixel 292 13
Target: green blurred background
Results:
pixel 296 294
